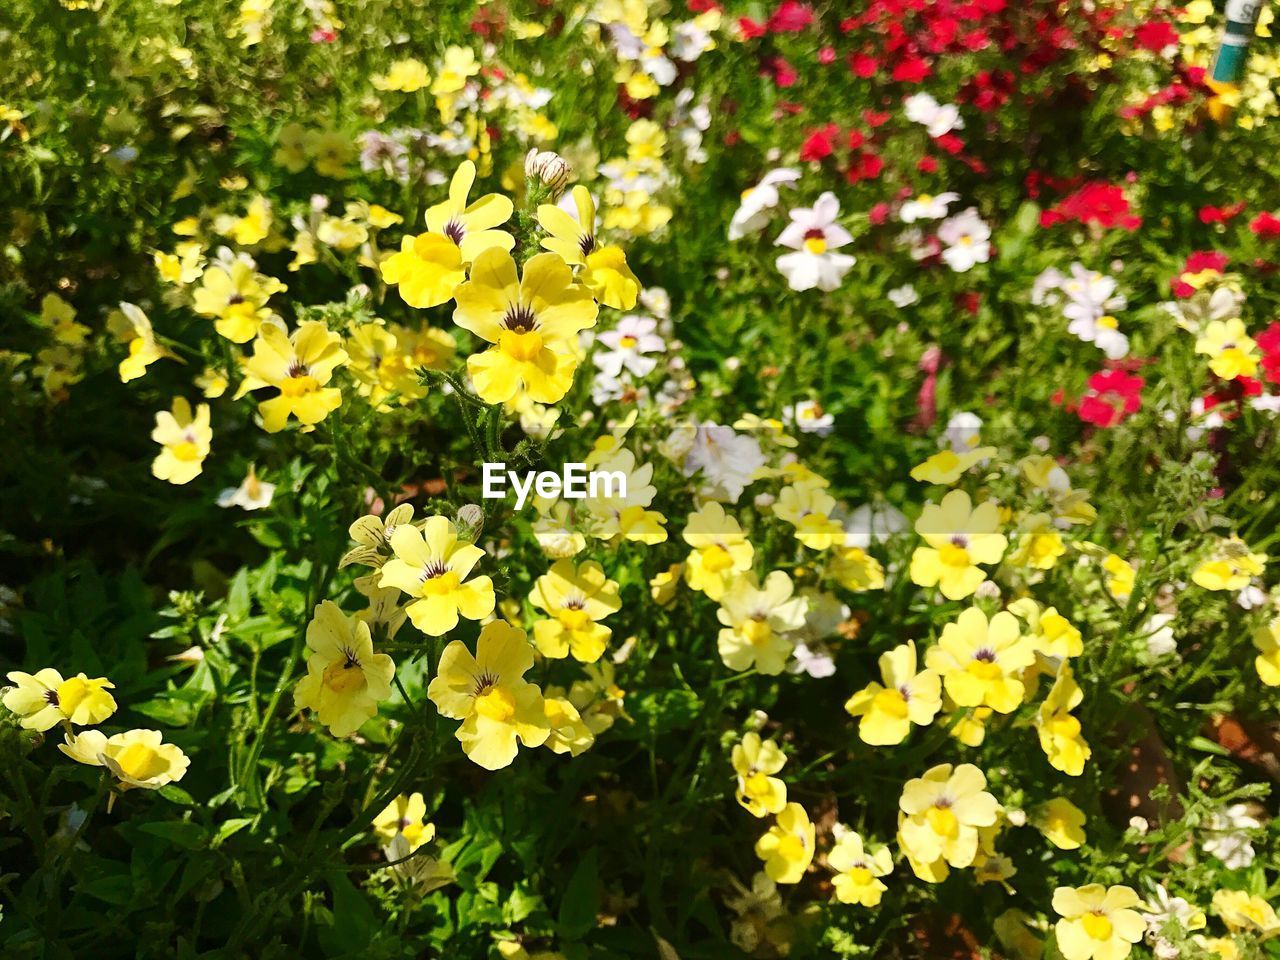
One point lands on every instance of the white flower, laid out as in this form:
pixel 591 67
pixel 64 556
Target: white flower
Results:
pixel 252 494
pixel 967 238
pixel 814 235
pixel 657 301
pixel 628 343
pixel 758 202
pixel 962 431
pixel 903 296
pixel 689 41
pixel 1159 635
pixel 937 118
pixel 1251 597
pixel 1269 403
pixel 926 207
pixel 1229 842
pixel 871 522
pixel 728 460
pixel 1091 296
pixel 1048 280
pixel 812 657
pixel 808 417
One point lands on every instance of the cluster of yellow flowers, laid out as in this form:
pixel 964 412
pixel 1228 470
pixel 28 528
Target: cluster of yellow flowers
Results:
pixel 136 758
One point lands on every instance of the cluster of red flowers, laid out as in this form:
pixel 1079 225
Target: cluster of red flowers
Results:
pixel 864 162
pixel 1102 204
pixel 1113 395
pixel 1269 343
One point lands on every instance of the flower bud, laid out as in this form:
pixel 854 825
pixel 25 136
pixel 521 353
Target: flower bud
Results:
pixel 470 522
pixel 548 168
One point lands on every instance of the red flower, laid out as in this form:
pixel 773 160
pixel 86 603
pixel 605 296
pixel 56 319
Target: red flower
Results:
pixel 950 143
pixel 863 66
pixel 863 166
pixel 790 17
pixel 1155 36
pixel 1100 203
pixel 874 119
pixel 879 213
pixel 911 69
pixel 750 29
pixel 1212 214
pixel 782 72
pixel 1113 395
pixel 820 143
pixel 1265 225
pixel 927 164
pixel 1269 343
pixel 827 56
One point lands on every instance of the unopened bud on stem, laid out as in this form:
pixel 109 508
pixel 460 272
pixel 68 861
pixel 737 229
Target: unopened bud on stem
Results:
pixel 549 169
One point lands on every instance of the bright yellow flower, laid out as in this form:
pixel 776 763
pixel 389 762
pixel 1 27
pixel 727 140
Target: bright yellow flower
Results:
pixel 60 317
pixel 345 679
pixel 143 349
pixel 372 535
pixel 381 366
pixel 1223 947
pixel 1098 923
pixel 969 726
pixel 1062 823
pixel 427 269
pixel 856 570
pixel 404 76
pixel 756 623
pixel 252 228
pixel 906 697
pixel 428 347
pixel 212 383
pixel 298 366
pixel 664 585
pixel 1242 911
pixel 570 733
pixel 1231 568
pixel 236 296
pixel 471 226
pixel 858 870
pixel 185 438
pixel 941 813
pixel 457 67
pixel 532 323
pixel 947 466
pixel 1267 642
pixel 808 507
pixel 1233 352
pixel 44 699
pixel 958 537
pixel 404 815
pixel 720 551
pixel 1038 544
pixel 432 566
pixel 981 662
pixel 787 847
pixel 1059 731
pixel 755 761
pixel 576 600
pixel 604 269
pixel 1050 632
pixel 138 758
pixel 1120 581
pixel 489 694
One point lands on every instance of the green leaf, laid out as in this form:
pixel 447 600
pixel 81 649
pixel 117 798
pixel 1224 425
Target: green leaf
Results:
pixel 181 833
pixel 581 901
pixel 354 922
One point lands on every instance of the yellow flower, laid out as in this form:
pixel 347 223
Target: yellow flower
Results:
pixel 756 620
pixel 381 366
pixel 576 600
pixel 981 663
pixel 1120 581
pixel 1039 545
pixel 236 296
pixel 787 847
pixel 185 438
pixel 1231 568
pixel 1013 930
pixel 471 226
pixel 432 566
pixel 404 76
pixel 1233 352
pixel 404 815
pixel 293 147
pixel 143 349
pixel 531 322
pixel 1097 922
pixel 458 66
pixel 664 584
pixel 1267 641
pixel 1059 731
pixel 947 466
pixel 755 761
pixel 44 699
pixel 372 535
pixel 1242 911
pixel 858 870
pixel 1051 634
pixel 1223 947
pixel 570 733
pixel 428 347
pixel 489 694
pixel 940 816
pixel 906 697
pixel 298 366
pixel 604 269
pixel 60 317
pixel 958 537
pixel 969 726
pixel 720 551
pixel 856 570
pixel 332 152
pixel 427 269
pixel 212 383
pixel 1062 823
pixel 138 758
pixel 345 679
pixel 808 507
pixel 252 228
